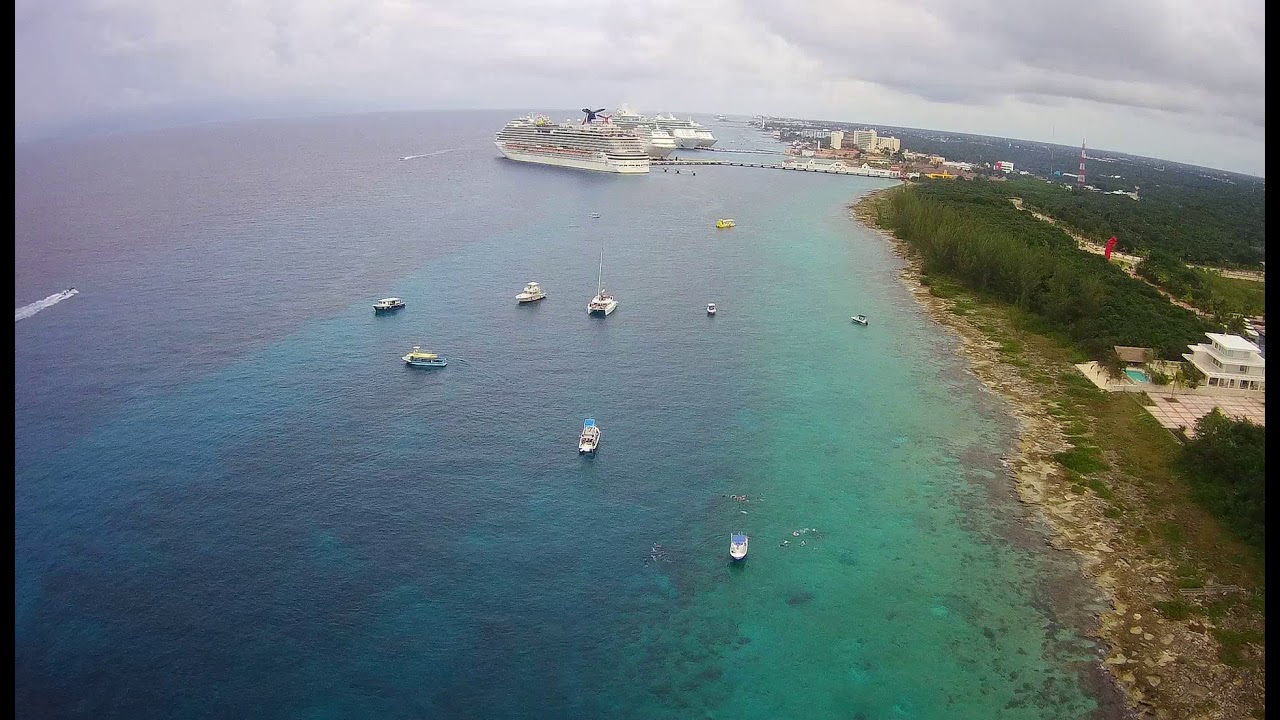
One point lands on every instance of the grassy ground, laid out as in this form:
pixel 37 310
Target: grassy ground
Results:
pixel 1243 296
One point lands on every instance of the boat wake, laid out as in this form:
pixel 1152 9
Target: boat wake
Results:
pixel 430 154
pixel 27 311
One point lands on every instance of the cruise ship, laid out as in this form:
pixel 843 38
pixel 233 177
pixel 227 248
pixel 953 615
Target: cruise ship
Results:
pixel 588 145
pixel 687 133
pixel 659 143
pixel 702 137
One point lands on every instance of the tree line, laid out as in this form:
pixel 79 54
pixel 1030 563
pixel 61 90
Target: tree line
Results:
pixel 1226 465
pixel 970 231
pixel 1223 225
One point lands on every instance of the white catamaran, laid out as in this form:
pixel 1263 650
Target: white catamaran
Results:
pixel 604 302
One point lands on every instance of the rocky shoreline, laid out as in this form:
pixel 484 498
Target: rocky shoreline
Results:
pixel 1164 669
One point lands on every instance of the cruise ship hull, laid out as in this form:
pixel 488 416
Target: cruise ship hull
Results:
pixel 657 152
pixel 596 161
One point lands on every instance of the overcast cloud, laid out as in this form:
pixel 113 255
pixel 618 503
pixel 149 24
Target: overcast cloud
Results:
pixel 1174 79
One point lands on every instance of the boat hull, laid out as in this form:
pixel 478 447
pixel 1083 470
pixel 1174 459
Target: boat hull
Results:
pixel 593 312
pixel 421 364
pixel 597 161
pixel 658 152
pixel 527 301
pixel 382 310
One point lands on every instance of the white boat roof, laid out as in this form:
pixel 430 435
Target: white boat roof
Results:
pixel 389 300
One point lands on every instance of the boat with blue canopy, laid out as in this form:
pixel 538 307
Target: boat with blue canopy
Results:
pixel 589 440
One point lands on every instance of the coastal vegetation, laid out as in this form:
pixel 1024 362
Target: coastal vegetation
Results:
pixel 1171 526
pixel 1226 465
pixel 971 232
pixel 1226 298
pixel 1196 214
pixel 1221 225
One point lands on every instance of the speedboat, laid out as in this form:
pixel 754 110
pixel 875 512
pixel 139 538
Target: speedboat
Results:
pixel 590 437
pixel 723 223
pixel 738 546
pixel 418 358
pixel 595 215
pixel 711 308
pixel 531 293
pixel 388 304
pixel 859 319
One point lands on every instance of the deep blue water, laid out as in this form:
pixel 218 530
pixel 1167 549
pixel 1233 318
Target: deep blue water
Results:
pixel 233 500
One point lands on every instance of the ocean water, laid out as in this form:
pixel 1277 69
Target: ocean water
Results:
pixel 233 500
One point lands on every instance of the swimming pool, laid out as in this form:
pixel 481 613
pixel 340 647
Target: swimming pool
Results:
pixel 1137 376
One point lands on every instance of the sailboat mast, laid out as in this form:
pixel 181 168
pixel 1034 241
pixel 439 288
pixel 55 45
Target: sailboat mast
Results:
pixel 600 274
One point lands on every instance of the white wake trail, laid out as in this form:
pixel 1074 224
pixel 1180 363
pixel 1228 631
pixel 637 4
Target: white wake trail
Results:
pixel 27 311
pixel 430 154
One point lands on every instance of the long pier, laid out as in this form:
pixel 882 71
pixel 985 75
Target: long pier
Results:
pixel 798 167
pixel 734 150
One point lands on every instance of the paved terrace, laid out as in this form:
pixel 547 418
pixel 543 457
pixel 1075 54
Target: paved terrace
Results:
pixel 1185 410
pixel 1187 406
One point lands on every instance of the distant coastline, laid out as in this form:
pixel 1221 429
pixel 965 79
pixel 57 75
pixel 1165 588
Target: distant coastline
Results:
pixel 1139 651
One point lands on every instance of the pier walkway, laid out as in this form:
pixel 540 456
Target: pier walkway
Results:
pixel 798 167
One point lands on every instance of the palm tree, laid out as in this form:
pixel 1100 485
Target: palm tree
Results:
pixel 1179 381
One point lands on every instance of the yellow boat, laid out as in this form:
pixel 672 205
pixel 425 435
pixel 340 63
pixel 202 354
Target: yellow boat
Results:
pixel 418 358
pixel 723 223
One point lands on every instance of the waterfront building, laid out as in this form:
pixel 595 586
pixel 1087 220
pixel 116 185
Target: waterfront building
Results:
pixel 1229 361
pixel 864 139
pixel 887 144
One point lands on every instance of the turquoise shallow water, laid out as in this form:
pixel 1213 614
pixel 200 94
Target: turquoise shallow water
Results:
pixel 288 523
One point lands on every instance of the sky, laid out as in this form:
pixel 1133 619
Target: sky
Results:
pixel 1178 80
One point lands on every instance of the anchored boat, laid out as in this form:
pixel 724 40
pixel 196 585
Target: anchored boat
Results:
pixel 387 305
pixel 604 302
pixel 531 293
pixel 738 546
pixel 418 358
pixel 590 437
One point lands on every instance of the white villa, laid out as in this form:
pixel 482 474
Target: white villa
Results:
pixel 1229 361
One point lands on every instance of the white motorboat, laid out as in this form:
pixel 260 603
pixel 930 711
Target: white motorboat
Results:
pixel 531 293
pixel 859 319
pixel 589 440
pixel 738 546
pixel 387 305
pixel 711 308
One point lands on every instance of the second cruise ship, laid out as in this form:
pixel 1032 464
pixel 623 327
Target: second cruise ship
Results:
pixel 588 145
pixel 688 134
